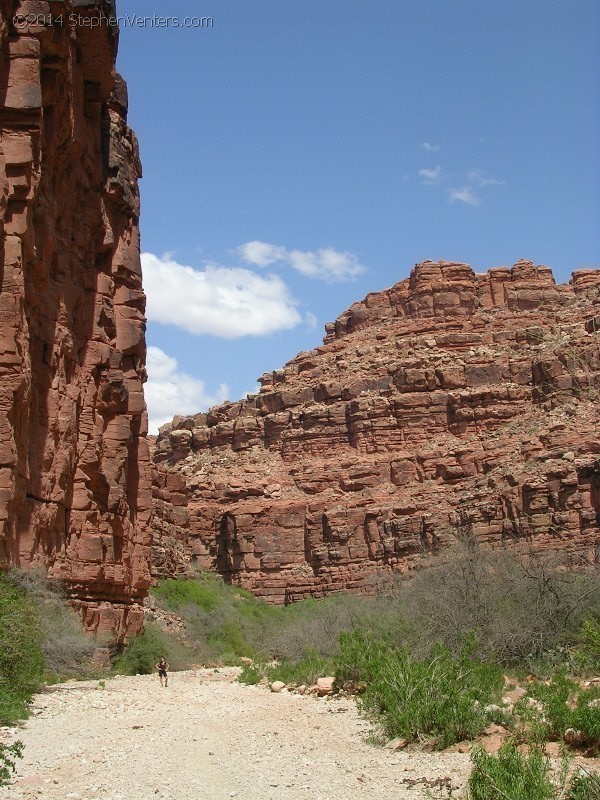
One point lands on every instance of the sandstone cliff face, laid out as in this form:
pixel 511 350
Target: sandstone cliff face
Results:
pixel 75 495
pixel 452 405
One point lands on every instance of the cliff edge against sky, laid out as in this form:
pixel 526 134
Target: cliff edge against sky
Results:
pixel 74 463
pixel 453 405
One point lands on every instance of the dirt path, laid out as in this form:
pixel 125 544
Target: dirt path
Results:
pixel 206 737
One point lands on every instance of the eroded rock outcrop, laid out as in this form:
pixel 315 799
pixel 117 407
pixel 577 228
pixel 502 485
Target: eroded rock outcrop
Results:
pixel 75 495
pixel 452 405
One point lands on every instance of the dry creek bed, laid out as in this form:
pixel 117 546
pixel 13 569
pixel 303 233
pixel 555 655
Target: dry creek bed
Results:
pixel 207 737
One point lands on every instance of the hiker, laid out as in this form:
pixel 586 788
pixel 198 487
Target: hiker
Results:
pixel 162 668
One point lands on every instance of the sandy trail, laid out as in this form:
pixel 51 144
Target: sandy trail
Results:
pixel 206 737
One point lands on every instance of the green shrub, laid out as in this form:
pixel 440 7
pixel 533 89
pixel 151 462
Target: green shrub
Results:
pixel 141 654
pixel 223 620
pixel 304 671
pixel 65 646
pixel 361 657
pixel 179 593
pixel 313 623
pixel 565 705
pixel 441 698
pixel 510 775
pixel 250 675
pixel 584 786
pixel 21 657
pixel 229 639
pixel 588 644
pixel 8 756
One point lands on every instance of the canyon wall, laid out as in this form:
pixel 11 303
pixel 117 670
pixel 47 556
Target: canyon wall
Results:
pixel 75 493
pixel 452 406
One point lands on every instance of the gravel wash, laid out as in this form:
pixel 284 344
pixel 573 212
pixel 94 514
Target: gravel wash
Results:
pixel 206 737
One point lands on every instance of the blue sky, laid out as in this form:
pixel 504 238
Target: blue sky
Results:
pixel 300 154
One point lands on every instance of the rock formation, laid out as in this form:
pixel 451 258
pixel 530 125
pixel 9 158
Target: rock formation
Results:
pixel 453 405
pixel 75 495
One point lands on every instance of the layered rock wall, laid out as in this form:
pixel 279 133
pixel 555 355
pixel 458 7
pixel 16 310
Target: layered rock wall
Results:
pixel 75 496
pixel 452 405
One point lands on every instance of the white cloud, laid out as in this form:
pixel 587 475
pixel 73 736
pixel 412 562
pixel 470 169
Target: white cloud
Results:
pixel 480 178
pixel 220 301
pixel 469 193
pixel 326 264
pixel 431 176
pixel 432 148
pixel 465 195
pixel 310 320
pixel 261 254
pixel 169 392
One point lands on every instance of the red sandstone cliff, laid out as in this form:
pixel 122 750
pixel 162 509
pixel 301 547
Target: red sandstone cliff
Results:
pixel 451 405
pixel 74 462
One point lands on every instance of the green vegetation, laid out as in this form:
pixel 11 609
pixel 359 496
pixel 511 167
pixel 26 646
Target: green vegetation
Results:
pixel 303 671
pixel 8 757
pixel 441 698
pixel 141 654
pixel 21 656
pixel 529 614
pixel 65 647
pixel 512 775
pixel 225 623
pixel 562 704
pixel 40 638
pixel 426 659
pixel 202 593
pixel 584 786
pixel 588 645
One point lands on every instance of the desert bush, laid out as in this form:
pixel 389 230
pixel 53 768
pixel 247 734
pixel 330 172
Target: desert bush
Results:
pixel 141 654
pixel 520 612
pixel 250 675
pixel 8 757
pixel 584 786
pixel 313 623
pixel 441 698
pixel 518 609
pixel 360 658
pixel 565 704
pixel 587 651
pixel 511 774
pixel 176 594
pixel 305 670
pixel 224 622
pixel 21 657
pixel 65 646
pixel 217 635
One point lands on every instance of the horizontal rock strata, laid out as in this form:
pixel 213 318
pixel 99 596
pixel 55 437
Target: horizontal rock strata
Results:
pixel 453 405
pixel 75 495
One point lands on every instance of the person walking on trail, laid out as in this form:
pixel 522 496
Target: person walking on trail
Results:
pixel 162 668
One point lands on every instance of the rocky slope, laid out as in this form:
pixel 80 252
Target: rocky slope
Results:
pixel 452 405
pixel 75 493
